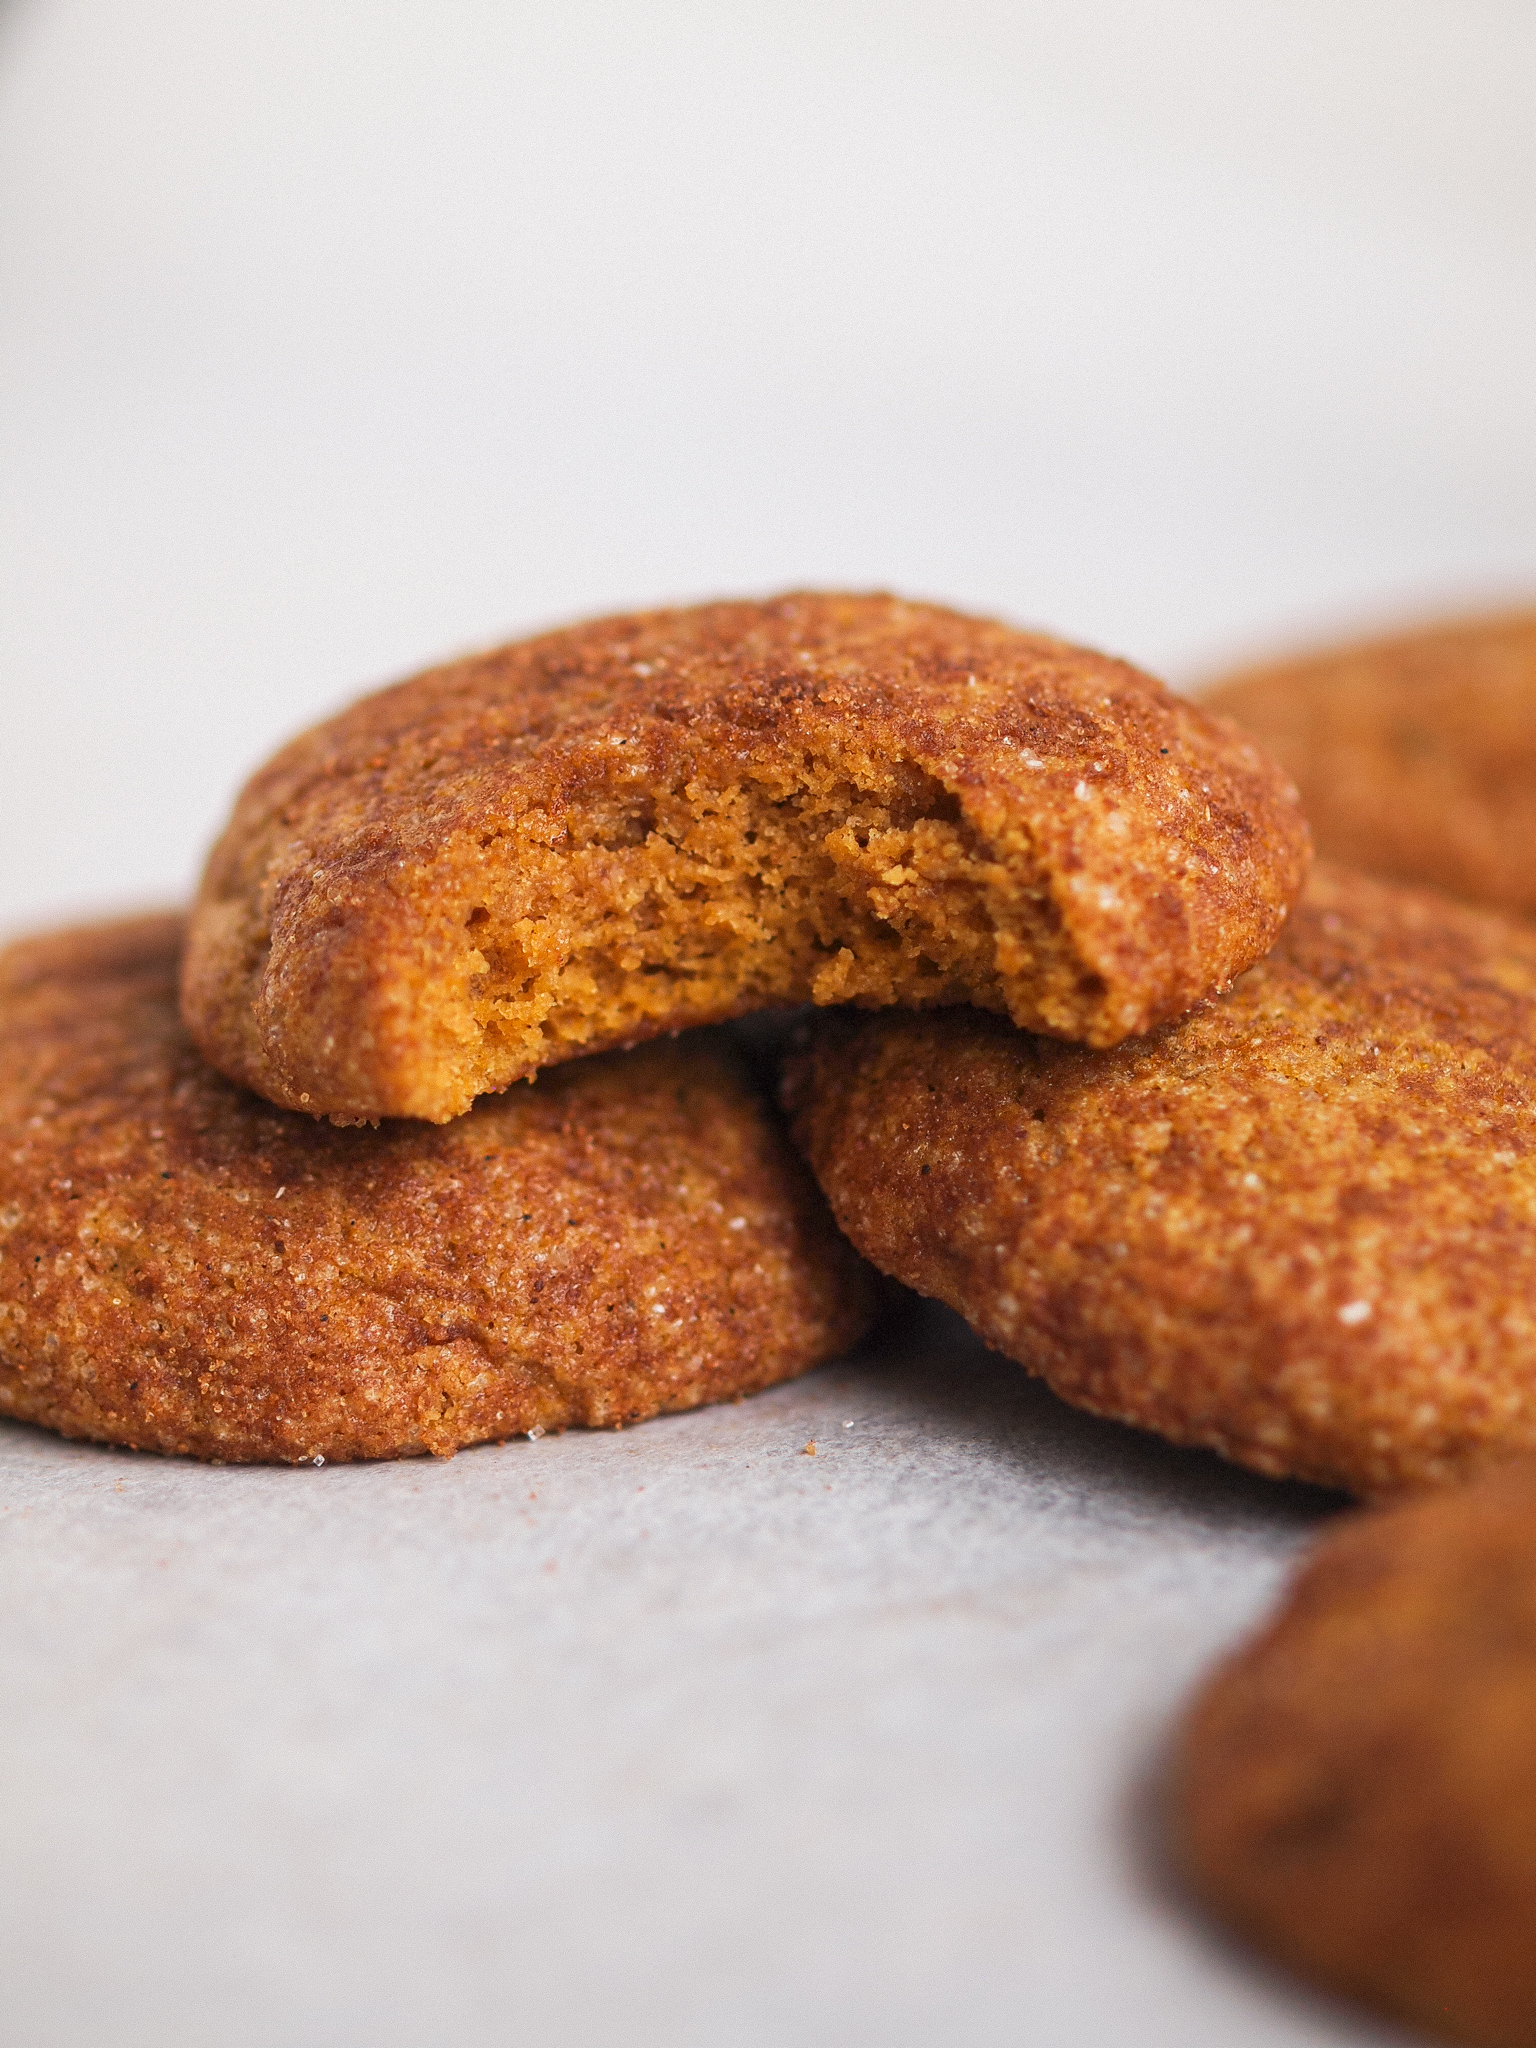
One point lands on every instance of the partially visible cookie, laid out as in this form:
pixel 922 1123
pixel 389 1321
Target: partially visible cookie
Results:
pixel 185 1268
pixel 1298 1226
pixel 1415 755
pixel 649 822
pixel 1356 1790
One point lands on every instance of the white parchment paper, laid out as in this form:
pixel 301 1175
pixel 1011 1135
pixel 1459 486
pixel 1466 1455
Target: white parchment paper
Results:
pixel 679 1734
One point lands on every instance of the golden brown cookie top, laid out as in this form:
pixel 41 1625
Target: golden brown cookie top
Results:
pixel 1415 754
pixel 1356 1789
pixel 184 1267
pixel 1297 1226
pixel 654 821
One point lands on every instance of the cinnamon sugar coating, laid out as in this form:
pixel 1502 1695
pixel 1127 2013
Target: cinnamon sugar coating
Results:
pixel 1415 754
pixel 185 1268
pixel 1297 1226
pixel 1355 1791
pixel 644 823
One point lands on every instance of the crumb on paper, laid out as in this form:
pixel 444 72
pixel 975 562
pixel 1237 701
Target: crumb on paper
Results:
pixel 536 1432
pixel 810 1449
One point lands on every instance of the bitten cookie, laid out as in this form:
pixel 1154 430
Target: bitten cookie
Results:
pixel 612 832
pixel 1356 1790
pixel 1415 755
pixel 1298 1226
pixel 185 1268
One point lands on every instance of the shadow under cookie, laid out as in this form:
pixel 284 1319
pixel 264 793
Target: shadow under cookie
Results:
pixel 185 1268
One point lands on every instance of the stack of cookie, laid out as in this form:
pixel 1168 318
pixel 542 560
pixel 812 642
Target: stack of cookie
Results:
pixel 429 1125
pixel 311 1207
pixel 275 1184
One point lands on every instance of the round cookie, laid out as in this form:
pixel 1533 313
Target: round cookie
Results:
pixel 1297 1226
pixel 1356 1790
pixel 644 823
pixel 185 1268
pixel 1415 755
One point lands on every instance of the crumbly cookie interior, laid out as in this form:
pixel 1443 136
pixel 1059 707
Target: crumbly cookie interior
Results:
pixel 701 902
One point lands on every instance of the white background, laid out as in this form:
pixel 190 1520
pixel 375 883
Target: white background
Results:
pixel 336 337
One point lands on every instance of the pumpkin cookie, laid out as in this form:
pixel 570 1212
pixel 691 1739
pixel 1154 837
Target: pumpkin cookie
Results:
pixel 1298 1226
pixel 1356 1790
pixel 644 823
pixel 1415 755
pixel 185 1268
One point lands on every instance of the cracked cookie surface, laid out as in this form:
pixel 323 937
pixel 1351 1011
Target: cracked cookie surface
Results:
pixel 651 822
pixel 1297 1226
pixel 185 1268
pixel 1415 754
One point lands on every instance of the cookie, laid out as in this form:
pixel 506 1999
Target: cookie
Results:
pixel 1356 1790
pixel 1297 1226
pixel 1415 755
pixel 646 823
pixel 185 1268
